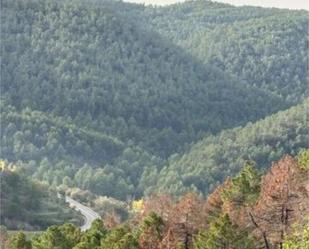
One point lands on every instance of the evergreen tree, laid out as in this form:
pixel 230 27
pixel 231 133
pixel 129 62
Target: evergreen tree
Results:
pixel 19 241
pixel 245 187
pixel 222 234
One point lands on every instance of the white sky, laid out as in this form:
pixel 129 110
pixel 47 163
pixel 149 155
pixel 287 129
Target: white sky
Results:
pixel 290 4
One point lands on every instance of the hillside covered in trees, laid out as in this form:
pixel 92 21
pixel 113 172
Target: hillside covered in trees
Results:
pixel 30 205
pixel 262 47
pixel 247 211
pixel 95 98
pixel 94 65
pixel 56 151
pixel 214 158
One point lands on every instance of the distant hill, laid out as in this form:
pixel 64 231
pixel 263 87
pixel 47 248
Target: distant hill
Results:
pixel 214 158
pixel 264 47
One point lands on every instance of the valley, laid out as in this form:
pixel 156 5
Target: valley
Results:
pixel 124 107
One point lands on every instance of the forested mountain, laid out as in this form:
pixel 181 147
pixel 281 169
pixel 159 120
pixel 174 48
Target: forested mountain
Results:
pixel 29 205
pixel 95 66
pixel 102 95
pixel 103 98
pixel 269 53
pixel 214 158
pixel 249 211
pixel 262 47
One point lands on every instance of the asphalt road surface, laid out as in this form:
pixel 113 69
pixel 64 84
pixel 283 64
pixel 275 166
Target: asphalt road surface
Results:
pixel 88 213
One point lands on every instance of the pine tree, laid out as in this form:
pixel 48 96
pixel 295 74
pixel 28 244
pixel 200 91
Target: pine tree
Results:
pixel 222 234
pixel 245 187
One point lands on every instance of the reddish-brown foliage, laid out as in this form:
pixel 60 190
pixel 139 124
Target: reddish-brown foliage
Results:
pixel 283 200
pixel 214 201
pixel 4 238
pixel 182 219
pixel 111 220
pixel 149 239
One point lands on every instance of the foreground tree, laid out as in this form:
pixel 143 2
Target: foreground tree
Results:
pixel 245 187
pixel 283 201
pixel 92 237
pixel 120 238
pixel 60 237
pixel 151 231
pixel 4 237
pixel 19 241
pixel 223 234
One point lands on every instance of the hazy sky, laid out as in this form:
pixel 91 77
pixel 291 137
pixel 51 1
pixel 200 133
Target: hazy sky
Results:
pixel 291 4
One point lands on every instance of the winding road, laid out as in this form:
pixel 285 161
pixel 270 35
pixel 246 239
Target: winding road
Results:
pixel 88 213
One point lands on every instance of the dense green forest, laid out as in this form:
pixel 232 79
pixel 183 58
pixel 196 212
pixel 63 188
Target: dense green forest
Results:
pixel 98 68
pixel 30 205
pixel 261 47
pixel 126 100
pixel 56 151
pixel 214 158
pixel 91 98
pixel 128 96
